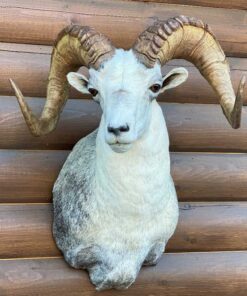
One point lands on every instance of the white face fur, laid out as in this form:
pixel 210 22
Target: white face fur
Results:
pixel 125 89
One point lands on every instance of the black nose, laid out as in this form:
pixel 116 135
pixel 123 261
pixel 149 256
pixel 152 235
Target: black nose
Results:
pixel 117 130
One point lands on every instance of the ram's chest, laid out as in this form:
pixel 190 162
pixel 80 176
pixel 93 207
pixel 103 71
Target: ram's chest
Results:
pixel 131 198
pixel 130 222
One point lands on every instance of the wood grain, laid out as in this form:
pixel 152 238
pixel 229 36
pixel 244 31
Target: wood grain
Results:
pixel 26 229
pixel 196 127
pixel 185 274
pixel 26 48
pixel 236 4
pixel 29 175
pixel 202 176
pixel 29 67
pixel 215 226
pixel 192 127
pixel 38 22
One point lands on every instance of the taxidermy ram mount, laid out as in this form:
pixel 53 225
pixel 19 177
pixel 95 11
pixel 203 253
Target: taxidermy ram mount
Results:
pixel 115 204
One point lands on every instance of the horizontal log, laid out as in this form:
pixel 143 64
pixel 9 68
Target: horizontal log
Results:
pixel 236 4
pixel 29 67
pixel 28 176
pixel 40 22
pixel 202 176
pixel 185 274
pixel 235 63
pixel 78 119
pixel 192 127
pixel 26 229
pixel 210 226
pixel 195 127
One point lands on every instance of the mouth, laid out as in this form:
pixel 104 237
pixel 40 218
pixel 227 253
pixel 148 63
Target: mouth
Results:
pixel 120 147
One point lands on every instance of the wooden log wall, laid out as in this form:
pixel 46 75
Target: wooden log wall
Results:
pixel 208 253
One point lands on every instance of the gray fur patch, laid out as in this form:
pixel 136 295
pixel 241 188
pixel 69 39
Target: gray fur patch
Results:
pixel 72 192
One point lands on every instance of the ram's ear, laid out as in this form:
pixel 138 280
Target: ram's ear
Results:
pixel 174 78
pixel 78 81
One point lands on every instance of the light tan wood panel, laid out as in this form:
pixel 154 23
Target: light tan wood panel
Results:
pixel 186 274
pixel 38 22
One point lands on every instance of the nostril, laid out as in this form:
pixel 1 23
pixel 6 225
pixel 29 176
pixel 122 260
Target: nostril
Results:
pixel 124 128
pixel 117 130
pixel 111 129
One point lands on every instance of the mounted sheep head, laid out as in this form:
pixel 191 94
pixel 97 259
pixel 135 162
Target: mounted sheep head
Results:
pixel 125 83
pixel 125 89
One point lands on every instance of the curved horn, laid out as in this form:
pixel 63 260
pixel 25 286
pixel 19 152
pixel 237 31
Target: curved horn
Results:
pixel 75 46
pixel 190 39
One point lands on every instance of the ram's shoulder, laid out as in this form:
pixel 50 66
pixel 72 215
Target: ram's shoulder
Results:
pixel 82 153
pixel 85 148
pixel 78 169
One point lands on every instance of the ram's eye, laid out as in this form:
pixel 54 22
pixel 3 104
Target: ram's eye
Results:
pixel 93 91
pixel 155 88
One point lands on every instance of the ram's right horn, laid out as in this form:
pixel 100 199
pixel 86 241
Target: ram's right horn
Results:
pixel 75 46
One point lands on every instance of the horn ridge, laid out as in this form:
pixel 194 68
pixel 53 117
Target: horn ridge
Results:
pixel 163 29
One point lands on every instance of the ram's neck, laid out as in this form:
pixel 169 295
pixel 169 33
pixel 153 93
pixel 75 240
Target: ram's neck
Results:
pixel 145 166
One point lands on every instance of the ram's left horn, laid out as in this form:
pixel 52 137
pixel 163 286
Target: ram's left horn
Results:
pixel 190 39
